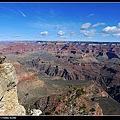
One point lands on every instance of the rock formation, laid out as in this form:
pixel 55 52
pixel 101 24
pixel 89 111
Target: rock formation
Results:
pixel 8 92
pixel 2 58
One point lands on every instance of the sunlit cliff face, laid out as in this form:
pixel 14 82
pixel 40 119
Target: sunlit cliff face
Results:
pixel 8 91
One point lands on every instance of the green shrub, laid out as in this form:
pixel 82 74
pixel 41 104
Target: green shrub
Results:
pixel 92 109
pixel 28 108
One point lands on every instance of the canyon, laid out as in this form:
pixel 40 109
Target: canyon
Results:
pixel 45 69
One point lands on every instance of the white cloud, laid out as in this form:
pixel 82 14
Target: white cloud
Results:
pixel 88 33
pixel 114 30
pixel 85 26
pixel 73 34
pixel 109 29
pixel 97 24
pixel 118 25
pixel 57 26
pixel 90 15
pixel 64 36
pixel 60 33
pixel 116 34
pixel 44 33
pixel 22 13
pixel 105 34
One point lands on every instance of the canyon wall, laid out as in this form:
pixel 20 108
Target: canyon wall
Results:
pixel 9 104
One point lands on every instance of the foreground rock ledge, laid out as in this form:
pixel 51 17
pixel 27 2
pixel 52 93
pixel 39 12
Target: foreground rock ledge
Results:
pixel 9 105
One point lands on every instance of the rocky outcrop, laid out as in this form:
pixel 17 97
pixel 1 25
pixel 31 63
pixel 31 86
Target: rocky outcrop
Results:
pixel 47 103
pixel 115 92
pixel 9 104
pixel 36 112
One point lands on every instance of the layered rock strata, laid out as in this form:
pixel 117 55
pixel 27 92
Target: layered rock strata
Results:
pixel 9 104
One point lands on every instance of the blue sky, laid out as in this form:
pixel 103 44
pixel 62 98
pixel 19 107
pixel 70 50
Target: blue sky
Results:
pixel 64 21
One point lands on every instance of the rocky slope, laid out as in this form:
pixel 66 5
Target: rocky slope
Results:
pixel 9 104
pixel 74 101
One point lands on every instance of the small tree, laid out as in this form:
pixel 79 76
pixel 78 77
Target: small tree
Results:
pixel 2 58
pixel 28 108
pixel 92 110
pixel 79 92
pixel 26 95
